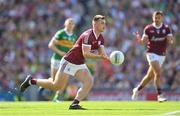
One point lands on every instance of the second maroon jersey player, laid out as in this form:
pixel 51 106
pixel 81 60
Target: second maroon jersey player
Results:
pixel 157 38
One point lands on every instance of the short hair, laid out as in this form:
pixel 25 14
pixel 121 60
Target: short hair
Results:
pixel 67 20
pixel 158 13
pixel 98 17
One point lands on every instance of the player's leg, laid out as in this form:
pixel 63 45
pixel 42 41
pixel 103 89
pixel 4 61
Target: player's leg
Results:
pixel 150 57
pixel 55 64
pixel 147 78
pixel 59 83
pixel 157 72
pixel 86 79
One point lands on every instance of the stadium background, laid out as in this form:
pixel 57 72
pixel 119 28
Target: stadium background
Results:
pixel 26 27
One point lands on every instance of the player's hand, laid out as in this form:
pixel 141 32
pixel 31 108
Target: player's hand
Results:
pixel 138 37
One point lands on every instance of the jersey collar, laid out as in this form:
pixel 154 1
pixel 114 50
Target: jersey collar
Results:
pixel 157 27
pixel 69 34
pixel 95 35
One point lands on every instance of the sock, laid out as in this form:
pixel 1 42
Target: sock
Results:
pixel 32 82
pixel 56 97
pixel 75 102
pixel 140 87
pixel 159 91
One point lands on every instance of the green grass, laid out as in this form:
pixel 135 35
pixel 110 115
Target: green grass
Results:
pixel 94 108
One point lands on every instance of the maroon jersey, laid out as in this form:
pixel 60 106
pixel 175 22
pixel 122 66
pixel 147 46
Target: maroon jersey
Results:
pixel 157 38
pixel 75 55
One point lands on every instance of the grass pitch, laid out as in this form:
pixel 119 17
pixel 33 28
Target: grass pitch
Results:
pixel 94 108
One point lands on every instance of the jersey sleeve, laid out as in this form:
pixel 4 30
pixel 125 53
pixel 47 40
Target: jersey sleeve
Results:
pixel 58 35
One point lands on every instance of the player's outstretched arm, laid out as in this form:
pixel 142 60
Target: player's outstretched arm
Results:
pixel 86 49
pixel 102 52
pixel 143 40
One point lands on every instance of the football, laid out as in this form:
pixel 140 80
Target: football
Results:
pixel 117 57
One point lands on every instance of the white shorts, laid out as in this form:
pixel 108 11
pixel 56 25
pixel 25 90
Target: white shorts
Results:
pixel 70 68
pixel 55 64
pixel 154 57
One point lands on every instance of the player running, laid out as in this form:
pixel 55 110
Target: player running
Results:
pixel 61 43
pixel 73 63
pixel 156 35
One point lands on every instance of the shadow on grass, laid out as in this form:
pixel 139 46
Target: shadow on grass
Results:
pixel 138 109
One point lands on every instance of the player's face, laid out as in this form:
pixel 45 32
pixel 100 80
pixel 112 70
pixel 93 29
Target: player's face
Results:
pixel 157 19
pixel 70 25
pixel 101 24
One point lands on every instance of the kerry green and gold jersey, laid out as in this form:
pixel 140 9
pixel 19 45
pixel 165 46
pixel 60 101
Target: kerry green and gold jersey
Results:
pixel 65 42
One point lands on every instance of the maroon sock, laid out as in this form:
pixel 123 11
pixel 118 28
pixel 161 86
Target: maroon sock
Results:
pixel 33 81
pixel 140 87
pixel 75 101
pixel 159 91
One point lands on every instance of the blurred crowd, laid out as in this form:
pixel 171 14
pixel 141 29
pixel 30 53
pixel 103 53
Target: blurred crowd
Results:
pixel 26 27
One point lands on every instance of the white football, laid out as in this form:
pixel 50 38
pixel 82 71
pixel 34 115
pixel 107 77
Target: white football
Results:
pixel 117 57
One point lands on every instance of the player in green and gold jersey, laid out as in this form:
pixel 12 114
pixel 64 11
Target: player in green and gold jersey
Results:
pixel 61 43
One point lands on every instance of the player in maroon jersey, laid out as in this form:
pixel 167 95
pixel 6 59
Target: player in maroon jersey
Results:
pixel 156 35
pixel 73 63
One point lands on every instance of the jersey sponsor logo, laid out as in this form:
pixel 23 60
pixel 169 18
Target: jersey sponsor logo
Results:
pixel 94 42
pixel 151 31
pixel 157 39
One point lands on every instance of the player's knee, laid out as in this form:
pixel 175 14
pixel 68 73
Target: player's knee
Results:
pixel 55 87
pixel 90 82
pixel 157 74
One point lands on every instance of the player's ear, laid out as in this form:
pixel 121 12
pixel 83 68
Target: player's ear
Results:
pixel 153 18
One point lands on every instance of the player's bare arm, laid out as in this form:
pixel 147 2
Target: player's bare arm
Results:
pixel 143 40
pixel 102 52
pixel 52 45
pixel 86 49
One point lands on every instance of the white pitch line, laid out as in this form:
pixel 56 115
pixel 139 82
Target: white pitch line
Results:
pixel 171 113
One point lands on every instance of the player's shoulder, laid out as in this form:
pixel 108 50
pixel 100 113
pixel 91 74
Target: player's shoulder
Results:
pixel 60 31
pixel 101 36
pixel 149 26
pixel 87 32
pixel 166 25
